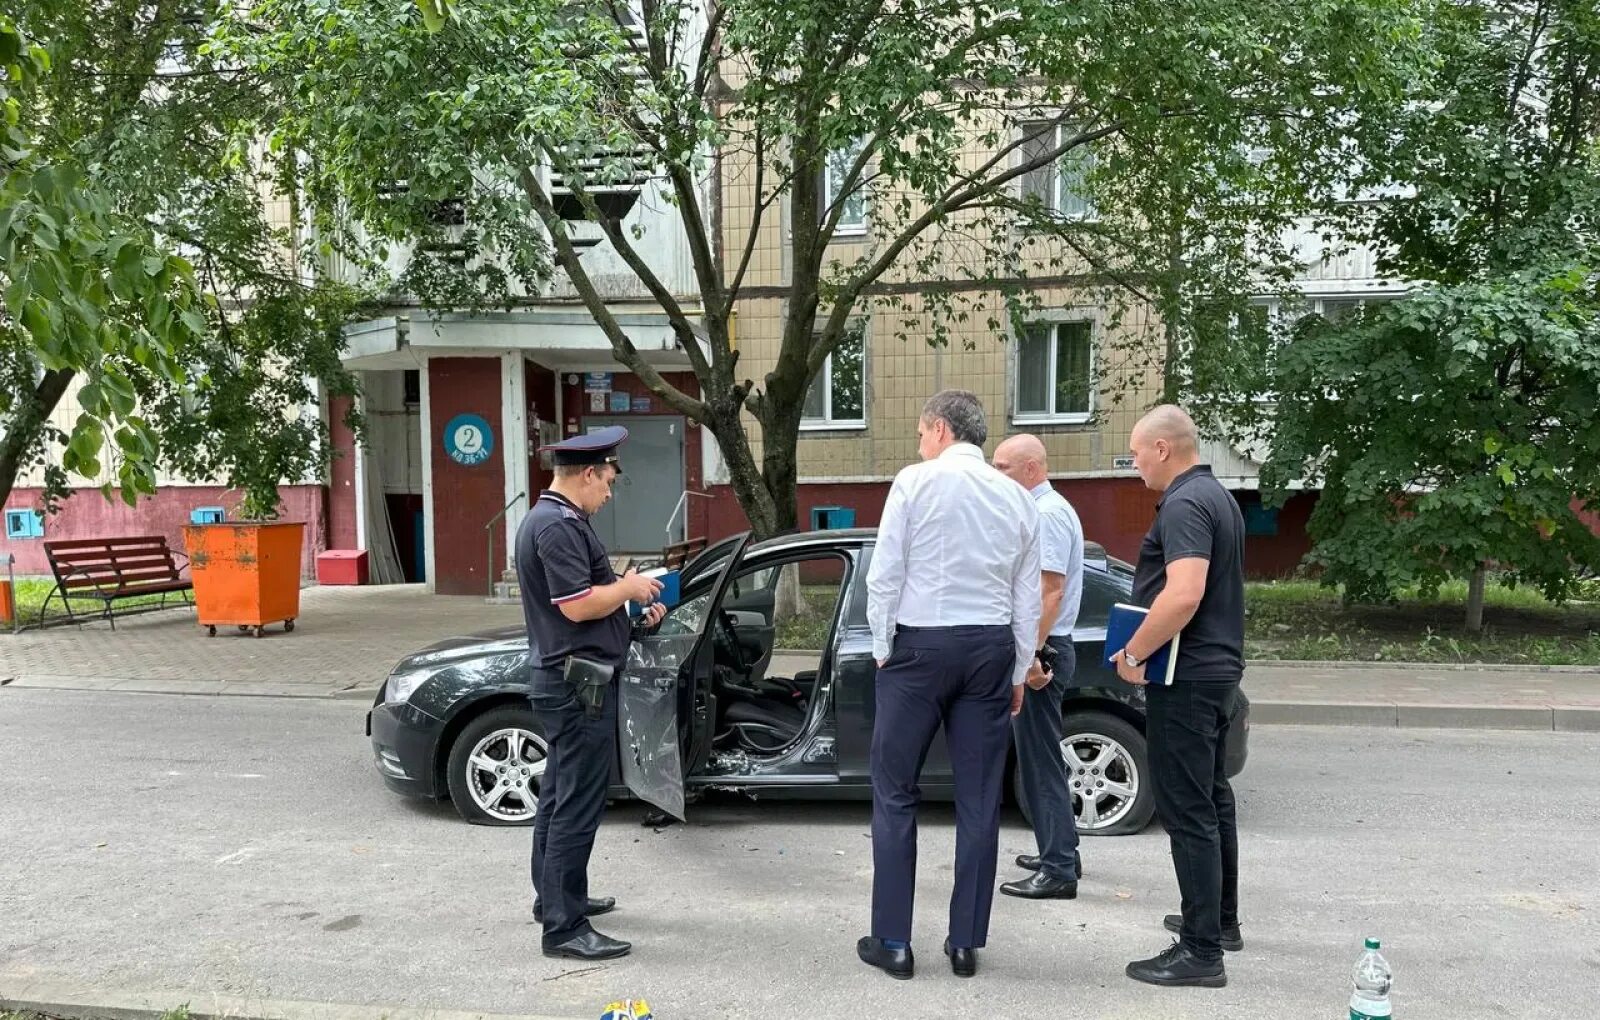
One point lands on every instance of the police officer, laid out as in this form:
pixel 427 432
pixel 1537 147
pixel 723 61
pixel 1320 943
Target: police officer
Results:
pixel 578 630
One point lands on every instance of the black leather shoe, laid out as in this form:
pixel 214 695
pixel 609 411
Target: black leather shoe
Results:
pixel 963 962
pixel 1232 941
pixel 1039 886
pixel 1030 862
pixel 592 907
pixel 1178 966
pixel 591 945
pixel 897 963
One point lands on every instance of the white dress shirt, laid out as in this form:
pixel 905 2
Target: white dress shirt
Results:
pixel 958 545
pixel 1061 552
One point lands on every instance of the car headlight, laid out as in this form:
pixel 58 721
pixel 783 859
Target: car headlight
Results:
pixel 400 686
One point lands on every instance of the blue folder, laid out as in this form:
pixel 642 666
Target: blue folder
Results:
pixel 1124 620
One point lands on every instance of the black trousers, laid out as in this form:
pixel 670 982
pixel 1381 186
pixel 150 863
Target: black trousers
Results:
pixel 958 677
pixel 1042 772
pixel 1187 730
pixel 571 800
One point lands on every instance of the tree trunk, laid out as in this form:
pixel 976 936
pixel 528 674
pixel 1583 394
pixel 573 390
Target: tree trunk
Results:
pixel 779 471
pixel 743 474
pixel 23 432
pixel 1475 600
pixel 789 596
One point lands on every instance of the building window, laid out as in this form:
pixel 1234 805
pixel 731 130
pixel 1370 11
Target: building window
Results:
pixel 837 397
pixel 1055 372
pixel 1271 320
pixel 835 170
pixel 1061 187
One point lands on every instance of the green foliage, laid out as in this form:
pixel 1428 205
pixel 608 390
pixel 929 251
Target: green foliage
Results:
pixel 156 136
pixel 1457 428
pixel 85 293
pixel 943 116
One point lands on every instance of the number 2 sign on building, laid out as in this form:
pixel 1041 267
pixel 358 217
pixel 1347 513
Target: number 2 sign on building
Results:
pixel 468 440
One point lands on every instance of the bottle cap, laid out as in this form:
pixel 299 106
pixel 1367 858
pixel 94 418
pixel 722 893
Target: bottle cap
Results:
pixel 1372 943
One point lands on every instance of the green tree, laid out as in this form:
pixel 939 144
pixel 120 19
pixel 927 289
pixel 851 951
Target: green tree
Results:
pixel 85 293
pixel 1456 430
pixel 948 121
pixel 148 129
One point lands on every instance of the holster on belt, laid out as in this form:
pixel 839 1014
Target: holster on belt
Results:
pixel 589 680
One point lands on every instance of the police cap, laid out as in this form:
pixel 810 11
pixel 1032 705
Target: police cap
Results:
pixel 597 447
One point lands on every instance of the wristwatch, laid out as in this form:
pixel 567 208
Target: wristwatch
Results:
pixel 1132 662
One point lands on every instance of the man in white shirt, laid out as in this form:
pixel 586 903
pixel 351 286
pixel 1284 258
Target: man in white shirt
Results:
pixel 1037 728
pixel 953 601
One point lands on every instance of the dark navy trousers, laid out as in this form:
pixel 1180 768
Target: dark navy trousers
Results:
pixel 960 678
pixel 572 797
pixel 1042 772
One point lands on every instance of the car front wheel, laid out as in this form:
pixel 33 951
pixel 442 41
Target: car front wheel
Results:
pixel 1108 775
pixel 496 767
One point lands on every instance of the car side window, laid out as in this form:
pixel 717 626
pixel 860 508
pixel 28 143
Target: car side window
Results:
pixel 1099 593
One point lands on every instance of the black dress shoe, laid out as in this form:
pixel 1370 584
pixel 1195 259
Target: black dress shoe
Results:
pixel 591 945
pixel 1232 941
pixel 897 963
pixel 592 907
pixel 1039 886
pixel 1177 965
pixel 963 962
pixel 1030 862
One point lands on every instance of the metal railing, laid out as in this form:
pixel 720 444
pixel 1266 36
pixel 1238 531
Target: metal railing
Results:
pixel 683 504
pixel 496 519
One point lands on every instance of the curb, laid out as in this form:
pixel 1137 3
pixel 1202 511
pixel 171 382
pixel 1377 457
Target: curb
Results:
pixel 1548 718
pixel 1263 712
pixel 80 1003
pixel 1443 667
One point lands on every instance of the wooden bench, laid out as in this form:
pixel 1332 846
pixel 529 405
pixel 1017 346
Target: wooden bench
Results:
pixel 108 569
pixel 678 554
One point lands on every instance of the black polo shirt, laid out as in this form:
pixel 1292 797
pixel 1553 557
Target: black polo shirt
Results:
pixel 1198 517
pixel 559 560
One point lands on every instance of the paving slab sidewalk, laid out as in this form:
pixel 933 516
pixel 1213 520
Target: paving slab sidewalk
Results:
pixel 347 638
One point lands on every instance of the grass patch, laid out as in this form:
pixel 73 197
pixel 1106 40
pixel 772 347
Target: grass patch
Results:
pixel 181 1013
pixel 1302 620
pixel 32 593
pixel 809 630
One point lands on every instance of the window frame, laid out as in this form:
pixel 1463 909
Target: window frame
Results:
pixel 1052 416
pixel 1091 211
pixel 1309 304
pixel 844 228
pixel 828 423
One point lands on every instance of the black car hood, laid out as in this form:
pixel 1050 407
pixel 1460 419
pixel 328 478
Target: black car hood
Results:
pixel 503 641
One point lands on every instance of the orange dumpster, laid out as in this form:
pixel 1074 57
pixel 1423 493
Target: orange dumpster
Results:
pixel 245 575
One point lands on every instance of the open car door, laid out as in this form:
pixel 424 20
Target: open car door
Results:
pixel 649 741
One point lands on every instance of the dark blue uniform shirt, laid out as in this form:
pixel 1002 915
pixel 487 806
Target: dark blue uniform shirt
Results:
pixel 560 560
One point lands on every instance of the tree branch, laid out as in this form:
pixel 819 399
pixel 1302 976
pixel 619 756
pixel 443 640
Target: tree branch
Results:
pixel 621 346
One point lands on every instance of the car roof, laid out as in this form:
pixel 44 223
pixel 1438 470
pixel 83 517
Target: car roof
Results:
pixel 1094 553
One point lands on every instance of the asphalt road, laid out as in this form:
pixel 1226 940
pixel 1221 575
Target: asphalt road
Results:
pixel 246 847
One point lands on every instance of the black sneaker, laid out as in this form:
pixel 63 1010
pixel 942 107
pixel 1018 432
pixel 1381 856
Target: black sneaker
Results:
pixel 1232 941
pixel 1178 966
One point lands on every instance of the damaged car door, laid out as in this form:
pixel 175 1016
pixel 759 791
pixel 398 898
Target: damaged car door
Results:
pixel 660 666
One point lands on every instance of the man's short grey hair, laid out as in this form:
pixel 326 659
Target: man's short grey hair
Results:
pixel 962 411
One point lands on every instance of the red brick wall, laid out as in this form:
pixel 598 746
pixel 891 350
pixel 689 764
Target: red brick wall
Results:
pixel 465 498
pixel 88 515
pixel 576 404
pixel 342 503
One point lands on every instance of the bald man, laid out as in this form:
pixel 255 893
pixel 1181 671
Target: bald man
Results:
pixel 1036 730
pixel 1190 576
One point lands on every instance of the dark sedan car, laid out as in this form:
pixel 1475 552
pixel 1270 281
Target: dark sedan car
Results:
pixel 712 700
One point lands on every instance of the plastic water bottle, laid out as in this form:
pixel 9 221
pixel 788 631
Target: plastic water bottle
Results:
pixel 1370 1000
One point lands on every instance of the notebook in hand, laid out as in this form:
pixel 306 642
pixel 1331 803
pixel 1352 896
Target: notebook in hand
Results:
pixel 1124 621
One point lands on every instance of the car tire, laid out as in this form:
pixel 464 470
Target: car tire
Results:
pixel 479 767
pixel 1127 756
